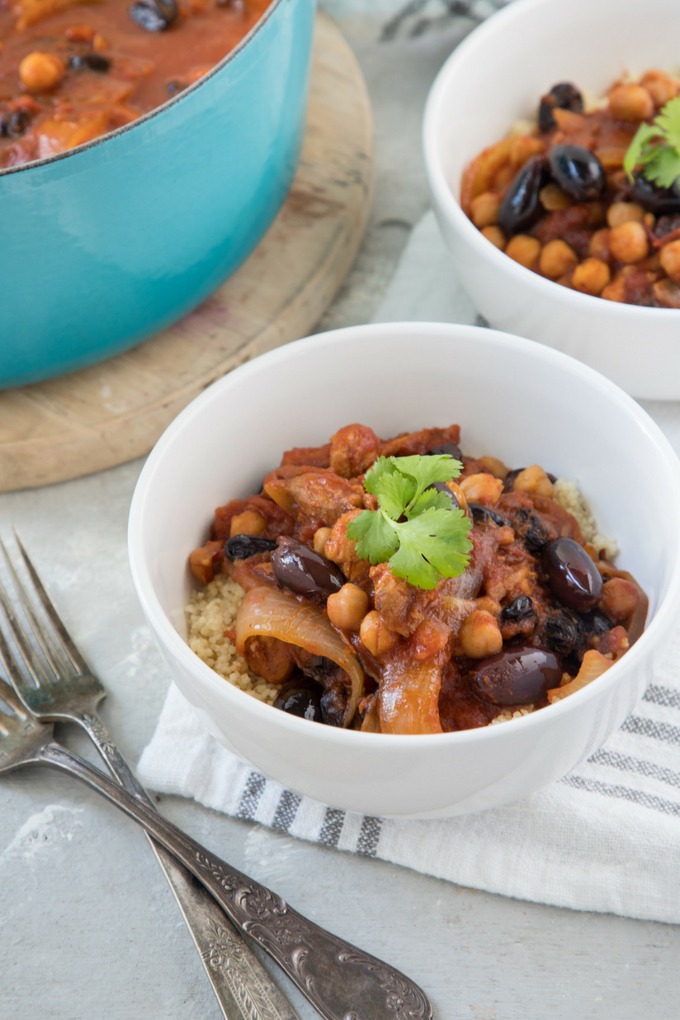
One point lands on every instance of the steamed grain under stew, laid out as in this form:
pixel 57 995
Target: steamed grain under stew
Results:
pixel 73 70
pixel 588 193
pixel 490 594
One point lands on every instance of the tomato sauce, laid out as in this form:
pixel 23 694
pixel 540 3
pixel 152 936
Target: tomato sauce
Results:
pixel 72 71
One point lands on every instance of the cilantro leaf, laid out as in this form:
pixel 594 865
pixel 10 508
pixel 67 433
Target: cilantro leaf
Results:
pixel 374 534
pixel 432 546
pixel 655 147
pixel 395 492
pixel 416 530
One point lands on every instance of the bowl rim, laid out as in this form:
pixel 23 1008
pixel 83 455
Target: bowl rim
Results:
pixel 446 199
pixel 166 634
pixel 144 118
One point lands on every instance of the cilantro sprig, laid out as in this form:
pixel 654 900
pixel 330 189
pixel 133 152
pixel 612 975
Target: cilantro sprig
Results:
pixel 415 530
pixel 655 147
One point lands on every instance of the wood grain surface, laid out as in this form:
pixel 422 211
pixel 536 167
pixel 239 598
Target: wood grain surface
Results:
pixel 113 412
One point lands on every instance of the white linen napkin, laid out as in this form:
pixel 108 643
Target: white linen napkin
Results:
pixel 604 838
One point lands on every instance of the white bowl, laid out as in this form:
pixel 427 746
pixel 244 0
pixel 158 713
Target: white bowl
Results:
pixel 518 400
pixel 495 77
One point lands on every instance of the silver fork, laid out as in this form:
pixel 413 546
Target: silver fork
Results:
pixel 341 981
pixel 55 683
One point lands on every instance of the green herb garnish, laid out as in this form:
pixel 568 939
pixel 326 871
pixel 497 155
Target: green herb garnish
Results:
pixel 416 530
pixel 655 147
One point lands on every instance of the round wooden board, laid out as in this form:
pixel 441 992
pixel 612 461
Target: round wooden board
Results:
pixel 113 412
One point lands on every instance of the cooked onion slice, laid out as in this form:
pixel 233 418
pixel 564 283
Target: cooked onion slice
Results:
pixel 593 665
pixel 409 696
pixel 270 612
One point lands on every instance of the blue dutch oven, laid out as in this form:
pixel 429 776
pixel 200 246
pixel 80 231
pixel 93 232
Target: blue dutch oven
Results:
pixel 109 243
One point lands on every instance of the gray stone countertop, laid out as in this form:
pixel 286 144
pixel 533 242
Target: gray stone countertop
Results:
pixel 88 926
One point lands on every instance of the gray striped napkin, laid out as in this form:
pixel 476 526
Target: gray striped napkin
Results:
pixel 604 838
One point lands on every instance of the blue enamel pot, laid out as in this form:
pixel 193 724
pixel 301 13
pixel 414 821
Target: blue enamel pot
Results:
pixel 107 244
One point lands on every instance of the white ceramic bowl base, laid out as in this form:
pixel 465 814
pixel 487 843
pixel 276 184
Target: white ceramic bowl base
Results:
pixel 515 399
pixel 495 78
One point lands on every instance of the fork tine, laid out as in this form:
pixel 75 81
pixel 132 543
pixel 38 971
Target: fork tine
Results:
pixel 9 697
pixel 25 648
pixel 67 641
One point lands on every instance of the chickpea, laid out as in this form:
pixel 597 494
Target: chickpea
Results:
pixel 484 209
pixel 375 635
pixel 553 198
pixel 628 242
pixel 41 72
pixel 321 536
pixel 591 276
pixel 556 259
pixel 619 599
pixel 533 479
pixel 495 466
pixel 624 212
pixel 524 249
pixel 616 290
pixel 670 260
pixel 598 246
pixel 661 86
pixel 248 522
pixel 631 102
pixel 347 607
pixel 482 488
pixel 430 637
pixel 480 635
pixel 495 235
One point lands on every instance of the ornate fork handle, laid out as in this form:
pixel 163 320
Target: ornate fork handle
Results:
pixel 341 981
pixel 240 982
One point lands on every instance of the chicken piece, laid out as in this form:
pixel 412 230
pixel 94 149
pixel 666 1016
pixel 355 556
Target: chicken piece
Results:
pixel 278 522
pixel 206 561
pixel 421 442
pixel 311 456
pixel 353 449
pixel 321 496
pixel 340 549
pixel 270 658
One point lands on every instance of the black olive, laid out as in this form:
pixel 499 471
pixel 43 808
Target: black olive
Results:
pixel 563 96
pixel 301 697
pixel 518 609
pixel 483 514
pixel 240 547
pixel 509 480
pixel 13 125
pixel 517 676
pixel 657 200
pixel 449 449
pixel 443 487
pixel 304 571
pixel 572 576
pixel 89 62
pixel 154 15
pixel 666 224
pixel 577 171
pixel 560 633
pixel 173 87
pixel 521 205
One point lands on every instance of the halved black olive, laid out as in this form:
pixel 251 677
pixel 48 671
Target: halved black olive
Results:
pixel 563 96
pixel 657 200
pixel 521 205
pixel 154 15
pixel 577 171
pixel 483 514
